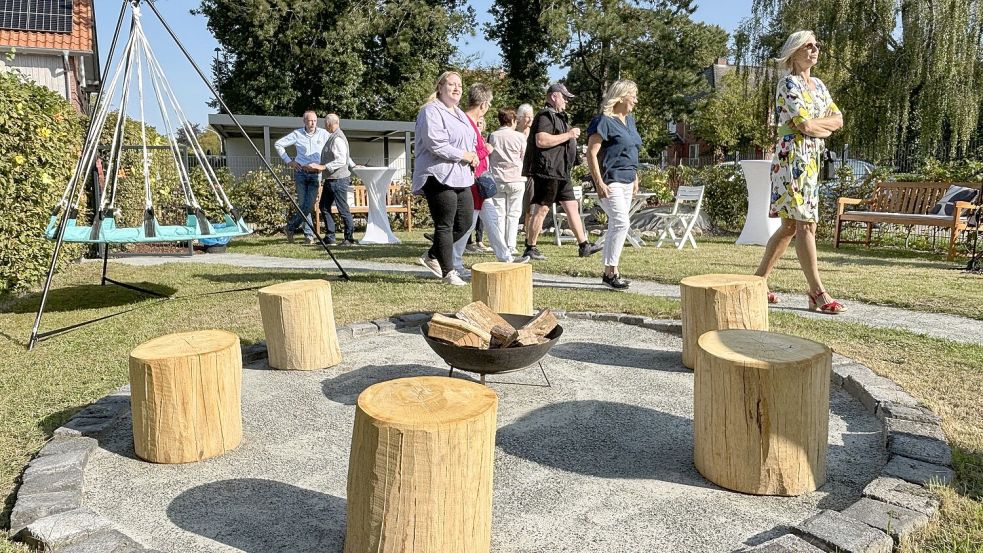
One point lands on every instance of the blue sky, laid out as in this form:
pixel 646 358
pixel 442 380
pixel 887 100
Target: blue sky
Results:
pixel 194 95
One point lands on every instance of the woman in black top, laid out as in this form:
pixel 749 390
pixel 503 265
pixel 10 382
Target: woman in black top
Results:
pixel 613 146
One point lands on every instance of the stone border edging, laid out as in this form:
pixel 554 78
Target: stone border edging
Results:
pixel 48 511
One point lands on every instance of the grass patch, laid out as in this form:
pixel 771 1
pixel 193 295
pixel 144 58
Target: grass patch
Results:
pixel 42 389
pixel 922 282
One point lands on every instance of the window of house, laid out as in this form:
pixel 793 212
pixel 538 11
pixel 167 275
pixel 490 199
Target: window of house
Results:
pixel 694 150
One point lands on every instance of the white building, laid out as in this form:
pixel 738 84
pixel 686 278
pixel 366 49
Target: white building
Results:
pixel 373 143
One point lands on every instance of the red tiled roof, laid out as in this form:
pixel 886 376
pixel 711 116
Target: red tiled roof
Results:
pixel 80 39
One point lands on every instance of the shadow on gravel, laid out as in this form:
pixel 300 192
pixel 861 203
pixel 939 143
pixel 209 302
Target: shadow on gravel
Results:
pixel 620 356
pixel 607 440
pixel 345 388
pixel 259 516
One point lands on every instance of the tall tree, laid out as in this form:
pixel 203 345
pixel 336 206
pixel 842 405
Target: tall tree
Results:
pixel 907 73
pixel 359 59
pixel 528 46
pixel 732 117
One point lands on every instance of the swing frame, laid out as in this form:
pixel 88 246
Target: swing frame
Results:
pixel 78 179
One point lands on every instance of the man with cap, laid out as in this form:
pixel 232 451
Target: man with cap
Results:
pixel 551 153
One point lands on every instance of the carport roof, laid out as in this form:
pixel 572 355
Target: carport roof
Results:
pixel 356 129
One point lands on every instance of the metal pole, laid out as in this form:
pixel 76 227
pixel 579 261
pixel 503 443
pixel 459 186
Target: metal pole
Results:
pixel 63 222
pixel 221 101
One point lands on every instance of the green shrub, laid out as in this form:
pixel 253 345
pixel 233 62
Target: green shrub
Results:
pixel 655 181
pixel 725 198
pixel 40 142
pixel 261 202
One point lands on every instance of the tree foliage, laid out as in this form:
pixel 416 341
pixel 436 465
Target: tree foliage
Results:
pixel 907 73
pixel 358 59
pixel 528 46
pixel 733 117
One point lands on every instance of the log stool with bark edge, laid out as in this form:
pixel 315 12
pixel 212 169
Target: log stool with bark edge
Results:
pixel 720 302
pixel 504 287
pixel 420 472
pixel 761 411
pixel 185 396
pixel 298 319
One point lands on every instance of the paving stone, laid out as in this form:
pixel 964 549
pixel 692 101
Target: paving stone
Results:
pixel 107 407
pixel 633 320
pixel 918 472
pixel 896 521
pixel 364 329
pixel 609 317
pixel 789 543
pixel 83 426
pixel 107 541
pixel 839 359
pixel 903 494
pixel 60 445
pixel 831 530
pixel 124 390
pixel 34 482
pixel 917 440
pixel 559 313
pixel 345 334
pixel 586 315
pixel 385 325
pixel 412 319
pixel 869 388
pixel 844 370
pixel 62 529
pixel 68 460
pixel 890 410
pixel 254 352
pixel 670 326
pixel 31 507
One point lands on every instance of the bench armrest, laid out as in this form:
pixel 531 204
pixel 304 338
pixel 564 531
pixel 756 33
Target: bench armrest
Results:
pixel 843 201
pixel 957 212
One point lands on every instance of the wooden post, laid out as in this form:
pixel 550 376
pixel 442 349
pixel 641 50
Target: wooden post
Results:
pixel 504 287
pixel 720 302
pixel 761 411
pixel 185 396
pixel 420 472
pixel 298 319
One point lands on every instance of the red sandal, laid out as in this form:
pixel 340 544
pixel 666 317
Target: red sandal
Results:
pixel 773 298
pixel 832 308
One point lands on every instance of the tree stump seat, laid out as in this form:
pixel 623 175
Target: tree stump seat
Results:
pixel 420 472
pixel 298 320
pixel 185 396
pixel 761 411
pixel 504 287
pixel 720 302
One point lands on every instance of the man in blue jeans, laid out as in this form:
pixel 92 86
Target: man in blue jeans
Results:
pixel 308 141
pixel 336 164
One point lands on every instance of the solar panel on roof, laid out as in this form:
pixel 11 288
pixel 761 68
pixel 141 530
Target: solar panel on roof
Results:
pixel 36 15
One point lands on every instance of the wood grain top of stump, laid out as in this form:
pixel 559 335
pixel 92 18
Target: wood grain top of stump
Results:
pixel 426 401
pixel 712 280
pixel 183 344
pixel 294 287
pixel 760 349
pixel 499 267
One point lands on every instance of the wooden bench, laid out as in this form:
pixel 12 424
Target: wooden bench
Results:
pixel 904 203
pixel 399 199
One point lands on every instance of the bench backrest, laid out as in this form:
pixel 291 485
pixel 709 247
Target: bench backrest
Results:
pixel 396 195
pixel 910 197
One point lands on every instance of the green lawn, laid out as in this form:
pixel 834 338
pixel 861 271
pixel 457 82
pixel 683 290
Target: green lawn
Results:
pixel 921 282
pixel 42 389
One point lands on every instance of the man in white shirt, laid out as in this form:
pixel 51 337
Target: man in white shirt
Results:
pixel 337 164
pixel 308 141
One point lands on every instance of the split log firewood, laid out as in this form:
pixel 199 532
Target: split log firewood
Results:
pixel 477 313
pixel 535 331
pixel 458 332
pixel 530 338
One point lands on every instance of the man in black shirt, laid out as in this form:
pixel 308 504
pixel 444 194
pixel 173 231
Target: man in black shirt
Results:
pixel 551 154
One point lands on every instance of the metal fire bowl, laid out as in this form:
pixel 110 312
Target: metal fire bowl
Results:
pixel 491 361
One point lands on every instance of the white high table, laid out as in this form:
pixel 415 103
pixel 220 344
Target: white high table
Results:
pixel 376 180
pixel 758 226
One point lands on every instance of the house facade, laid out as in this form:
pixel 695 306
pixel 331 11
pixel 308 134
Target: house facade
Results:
pixel 54 44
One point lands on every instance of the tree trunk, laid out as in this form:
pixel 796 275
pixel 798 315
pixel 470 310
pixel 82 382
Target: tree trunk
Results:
pixel 761 411
pixel 720 302
pixel 504 287
pixel 298 319
pixel 420 473
pixel 185 396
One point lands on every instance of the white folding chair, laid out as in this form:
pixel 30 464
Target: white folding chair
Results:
pixel 682 220
pixel 560 216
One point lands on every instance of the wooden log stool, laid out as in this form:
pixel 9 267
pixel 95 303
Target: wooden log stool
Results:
pixel 720 302
pixel 298 319
pixel 505 287
pixel 761 411
pixel 420 472
pixel 185 396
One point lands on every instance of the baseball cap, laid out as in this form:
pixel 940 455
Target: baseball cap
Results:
pixel 561 88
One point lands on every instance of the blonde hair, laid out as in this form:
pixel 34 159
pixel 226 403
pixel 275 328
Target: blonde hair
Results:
pixel 617 92
pixel 442 79
pixel 796 40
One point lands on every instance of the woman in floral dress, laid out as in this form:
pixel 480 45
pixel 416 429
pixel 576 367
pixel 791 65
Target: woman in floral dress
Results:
pixel 806 116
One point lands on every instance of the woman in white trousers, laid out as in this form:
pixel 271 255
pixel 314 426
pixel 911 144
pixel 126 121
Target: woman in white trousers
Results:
pixel 613 146
pixel 505 166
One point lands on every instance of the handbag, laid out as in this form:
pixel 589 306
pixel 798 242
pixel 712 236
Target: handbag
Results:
pixel 486 186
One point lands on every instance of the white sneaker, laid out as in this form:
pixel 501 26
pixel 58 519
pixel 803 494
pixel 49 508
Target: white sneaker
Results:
pixel 431 264
pixel 454 279
pixel 463 273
